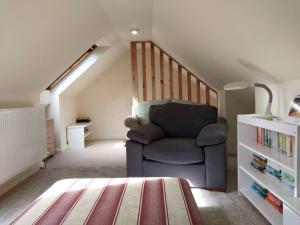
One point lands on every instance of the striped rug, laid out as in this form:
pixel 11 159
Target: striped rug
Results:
pixel 117 201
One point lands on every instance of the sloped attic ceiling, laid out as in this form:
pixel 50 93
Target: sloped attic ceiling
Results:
pixel 232 40
pixel 219 40
pixel 40 39
pixel 222 41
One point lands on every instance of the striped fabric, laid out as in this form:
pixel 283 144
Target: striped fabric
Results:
pixel 117 201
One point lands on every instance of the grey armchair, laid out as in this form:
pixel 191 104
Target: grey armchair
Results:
pixel 180 141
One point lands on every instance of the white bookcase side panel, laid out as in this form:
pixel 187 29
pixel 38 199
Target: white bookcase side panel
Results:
pixel 297 163
pixel 289 217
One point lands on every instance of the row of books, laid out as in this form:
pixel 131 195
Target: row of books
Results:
pixel 268 196
pixel 259 163
pixel 288 180
pixel 275 140
pixel 273 170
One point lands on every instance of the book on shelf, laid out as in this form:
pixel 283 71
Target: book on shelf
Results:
pixel 288 177
pixel 268 196
pixel 253 164
pixel 273 172
pixel 260 159
pixel 274 201
pixel 276 141
pixel 262 192
pixel 288 180
pixel 259 163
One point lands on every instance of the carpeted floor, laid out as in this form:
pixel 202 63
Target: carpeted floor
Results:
pixel 107 159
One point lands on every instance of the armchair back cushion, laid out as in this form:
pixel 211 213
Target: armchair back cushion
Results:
pixel 182 120
pixel 142 108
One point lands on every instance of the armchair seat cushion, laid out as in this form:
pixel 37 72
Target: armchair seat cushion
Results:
pixel 174 151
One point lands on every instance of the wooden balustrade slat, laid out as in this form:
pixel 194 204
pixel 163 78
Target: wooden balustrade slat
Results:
pixel 180 81
pixel 171 77
pixel 198 91
pixel 162 76
pixel 208 91
pixel 134 71
pixel 144 72
pixel 207 95
pixel 189 86
pixel 153 71
pixel 175 61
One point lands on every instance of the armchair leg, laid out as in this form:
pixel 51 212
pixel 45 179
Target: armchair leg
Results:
pixel 216 189
pixel 134 159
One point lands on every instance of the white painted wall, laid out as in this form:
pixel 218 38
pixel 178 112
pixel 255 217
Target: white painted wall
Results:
pixel 283 93
pixel 107 101
pixel 16 100
pixel 68 114
pixel 56 109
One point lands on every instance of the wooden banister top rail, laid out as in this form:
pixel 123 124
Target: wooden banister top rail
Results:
pixel 174 60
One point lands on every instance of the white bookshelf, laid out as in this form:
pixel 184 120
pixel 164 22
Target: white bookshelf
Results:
pixel 247 175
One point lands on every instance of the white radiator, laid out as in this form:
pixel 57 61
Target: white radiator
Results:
pixel 22 140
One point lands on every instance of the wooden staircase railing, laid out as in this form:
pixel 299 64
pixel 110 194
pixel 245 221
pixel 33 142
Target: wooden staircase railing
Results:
pixel 157 74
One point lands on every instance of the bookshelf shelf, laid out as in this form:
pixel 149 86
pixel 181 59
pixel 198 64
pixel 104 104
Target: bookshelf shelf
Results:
pixel 269 182
pixel 248 146
pixel 287 163
pixel 273 216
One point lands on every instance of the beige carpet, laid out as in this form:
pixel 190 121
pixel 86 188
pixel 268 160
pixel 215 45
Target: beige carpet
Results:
pixel 107 159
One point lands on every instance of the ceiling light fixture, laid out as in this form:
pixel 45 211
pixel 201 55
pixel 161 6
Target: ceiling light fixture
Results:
pixel 134 31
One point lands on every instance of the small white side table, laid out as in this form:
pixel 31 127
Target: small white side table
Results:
pixel 76 135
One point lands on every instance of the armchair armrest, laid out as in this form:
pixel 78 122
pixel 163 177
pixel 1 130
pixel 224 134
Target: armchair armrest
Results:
pixel 213 134
pixel 146 133
pixel 131 122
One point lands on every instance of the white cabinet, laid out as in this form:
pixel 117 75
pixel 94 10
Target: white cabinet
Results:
pixel 77 133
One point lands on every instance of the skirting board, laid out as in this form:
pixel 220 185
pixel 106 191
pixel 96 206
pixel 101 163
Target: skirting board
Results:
pixel 19 178
pixel 61 149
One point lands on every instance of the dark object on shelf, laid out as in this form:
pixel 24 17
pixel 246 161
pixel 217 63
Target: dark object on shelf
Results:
pixel 260 159
pixel 83 120
pixel 260 169
pixel 262 192
pixel 273 172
